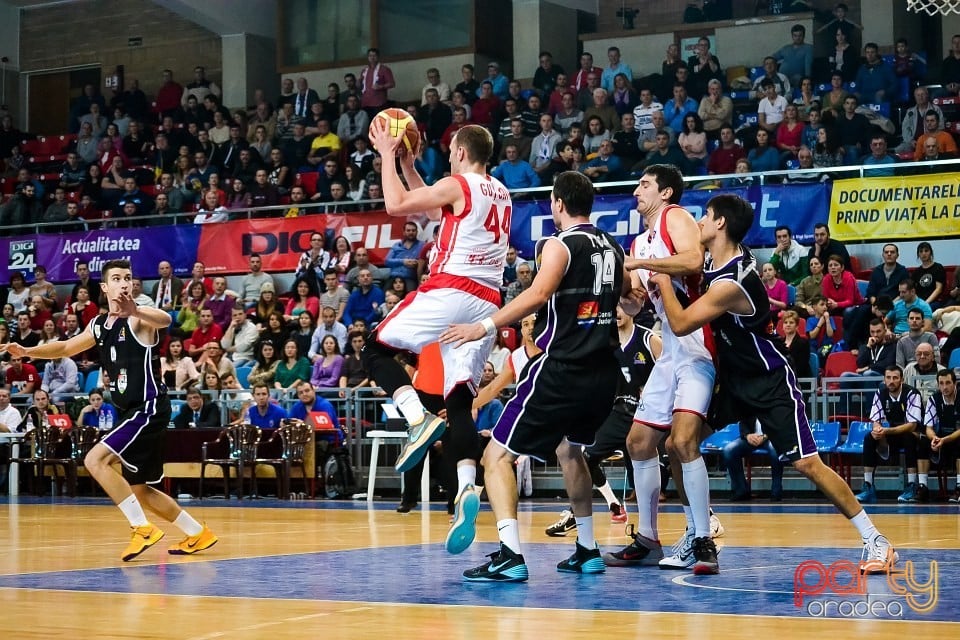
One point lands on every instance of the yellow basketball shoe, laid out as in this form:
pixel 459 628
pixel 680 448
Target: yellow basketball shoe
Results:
pixel 143 538
pixel 192 544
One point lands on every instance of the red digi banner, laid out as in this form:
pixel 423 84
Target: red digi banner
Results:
pixel 226 247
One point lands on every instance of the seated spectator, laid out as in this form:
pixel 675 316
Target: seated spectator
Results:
pixel 877 353
pixel 362 261
pixel 724 158
pixel 924 365
pixel 623 97
pixel 942 426
pixel 664 153
pixel 626 141
pixel 516 137
pixel 693 143
pixel 643 114
pixel 177 368
pixel 605 167
pixel 733 455
pixel 39 409
pixel 931 129
pixel 776 288
pixel 211 211
pixel 197 413
pixel 763 157
pixel 328 325
pixel 789 258
pixel 602 109
pixel 327 366
pixel 820 329
pixel 364 301
pixel 353 122
pixel 310 402
pixel 839 287
pixel 916 335
pixel 743 179
pixel 854 130
pixel 676 110
pixel 515 172
pixel 807 100
pixel 832 101
pixel 716 110
pixel 521 284
pixel 772 108
pixel 770 75
pixel 596 133
pixel 554 98
pixel 828 152
pixel 543 148
pixel 240 338
pixel 60 379
pixel 912 124
pixel 876 81
pixel 931 155
pixel 930 277
pixel 804 162
pixel 293 368
pixel 268 358
pixel 98 414
pixel 908 301
pixel 301 300
pixel 263 413
pixel 789 136
pixel 879 156
pixel 901 408
pixel 23 208
pixel 469 84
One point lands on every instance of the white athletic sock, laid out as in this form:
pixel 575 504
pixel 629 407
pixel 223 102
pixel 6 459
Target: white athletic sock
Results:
pixel 911 478
pixel 131 508
pixel 408 403
pixel 922 478
pixel 688 514
pixel 696 483
pixel 466 474
pixel 957 481
pixel 868 477
pixel 607 492
pixel 585 532
pixel 864 525
pixel 509 532
pixel 646 480
pixel 187 524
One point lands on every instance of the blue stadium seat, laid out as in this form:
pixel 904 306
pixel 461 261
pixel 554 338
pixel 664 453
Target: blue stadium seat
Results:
pixel 862 286
pixel 176 405
pixel 243 375
pixel 814 365
pixel 717 440
pixel 742 94
pixel 954 361
pixel 91 381
pixel 793 164
pixel 883 108
pixel 826 435
pixel 853 445
pixel 791 294
pixel 756 73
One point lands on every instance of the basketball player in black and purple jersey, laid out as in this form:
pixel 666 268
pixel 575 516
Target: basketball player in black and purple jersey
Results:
pixel 127 337
pixel 736 307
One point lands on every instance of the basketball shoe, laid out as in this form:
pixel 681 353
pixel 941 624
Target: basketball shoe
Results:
pixel 716 527
pixel 504 566
pixel 464 527
pixel 878 555
pixel 682 557
pixel 867 495
pixel 641 552
pixel 705 556
pixel 618 513
pixel 192 544
pixel 143 538
pixel 583 560
pixel 422 435
pixel 560 528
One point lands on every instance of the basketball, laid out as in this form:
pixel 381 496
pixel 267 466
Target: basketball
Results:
pixel 399 123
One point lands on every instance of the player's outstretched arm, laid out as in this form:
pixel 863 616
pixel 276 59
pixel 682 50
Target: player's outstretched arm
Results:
pixel 718 299
pixel 396 198
pixel 553 264
pixel 60 349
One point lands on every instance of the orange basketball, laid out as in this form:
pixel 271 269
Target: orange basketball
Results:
pixel 399 123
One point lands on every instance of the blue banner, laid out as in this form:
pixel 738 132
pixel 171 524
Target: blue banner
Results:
pixel 798 206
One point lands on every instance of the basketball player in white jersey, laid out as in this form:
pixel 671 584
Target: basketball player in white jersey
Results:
pixel 464 287
pixel 677 395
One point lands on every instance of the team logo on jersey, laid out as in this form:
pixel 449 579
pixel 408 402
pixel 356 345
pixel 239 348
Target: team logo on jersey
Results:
pixel 587 312
pixel 640 358
pixel 122 336
pixel 122 381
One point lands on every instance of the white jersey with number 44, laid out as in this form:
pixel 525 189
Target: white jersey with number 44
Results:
pixel 473 242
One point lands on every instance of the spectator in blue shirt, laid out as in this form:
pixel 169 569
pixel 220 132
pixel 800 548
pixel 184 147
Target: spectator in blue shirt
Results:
pixel 764 157
pixel 879 156
pixel 263 413
pixel 606 167
pixel 615 67
pixel 675 110
pixel 402 257
pixel 907 302
pixel 98 413
pixel 310 402
pixel 365 300
pixel 876 81
pixel 515 172
pixel 796 58
pixel 500 82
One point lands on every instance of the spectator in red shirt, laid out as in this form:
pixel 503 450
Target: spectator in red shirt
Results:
pixel 724 158
pixel 168 95
pixel 22 377
pixel 207 331
pixel 459 122
pixel 487 105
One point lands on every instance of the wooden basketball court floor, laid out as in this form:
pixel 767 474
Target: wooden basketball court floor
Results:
pixel 338 569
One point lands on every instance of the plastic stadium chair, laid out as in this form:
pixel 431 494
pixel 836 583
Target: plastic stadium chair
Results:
pixel 852 446
pixel 91 381
pixel 717 440
pixel 954 361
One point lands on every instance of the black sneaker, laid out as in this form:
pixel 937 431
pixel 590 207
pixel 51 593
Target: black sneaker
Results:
pixel 923 494
pixel 641 552
pixel 705 556
pixel 406 507
pixel 956 495
pixel 504 566
pixel 560 528
pixel 583 560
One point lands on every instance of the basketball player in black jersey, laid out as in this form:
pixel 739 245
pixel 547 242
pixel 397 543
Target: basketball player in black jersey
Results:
pixel 126 337
pixel 748 351
pixel 565 393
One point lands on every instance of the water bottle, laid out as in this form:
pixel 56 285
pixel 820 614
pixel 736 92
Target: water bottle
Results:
pixel 108 420
pixel 102 420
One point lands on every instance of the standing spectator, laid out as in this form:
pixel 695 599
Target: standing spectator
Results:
pixel 950 68
pixel 876 81
pixel 586 68
pixel 169 95
pixel 545 77
pixel 376 80
pixel 614 67
pixel 200 88
pixel 704 67
pixel 843 58
pixel 930 276
pixel 796 58
pixel 841 24
pixel 469 85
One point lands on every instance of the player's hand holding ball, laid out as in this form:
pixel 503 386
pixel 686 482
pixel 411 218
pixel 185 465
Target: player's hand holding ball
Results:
pixel 395 132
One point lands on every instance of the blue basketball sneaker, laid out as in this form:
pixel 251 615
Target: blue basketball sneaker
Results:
pixel 421 437
pixel 504 566
pixel 583 560
pixel 463 529
pixel 868 495
pixel 909 494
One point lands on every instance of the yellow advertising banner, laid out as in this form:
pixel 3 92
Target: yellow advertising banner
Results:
pixel 869 209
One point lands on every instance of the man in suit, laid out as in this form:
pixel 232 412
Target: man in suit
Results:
pixel 196 413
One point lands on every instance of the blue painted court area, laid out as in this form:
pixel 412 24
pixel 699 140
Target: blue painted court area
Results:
pixel 753 581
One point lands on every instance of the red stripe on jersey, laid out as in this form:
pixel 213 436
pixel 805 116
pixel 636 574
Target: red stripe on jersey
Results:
pixel 467 200
pixel 393 314
pixel 691 282
pixel 461 283
pixel 445 243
